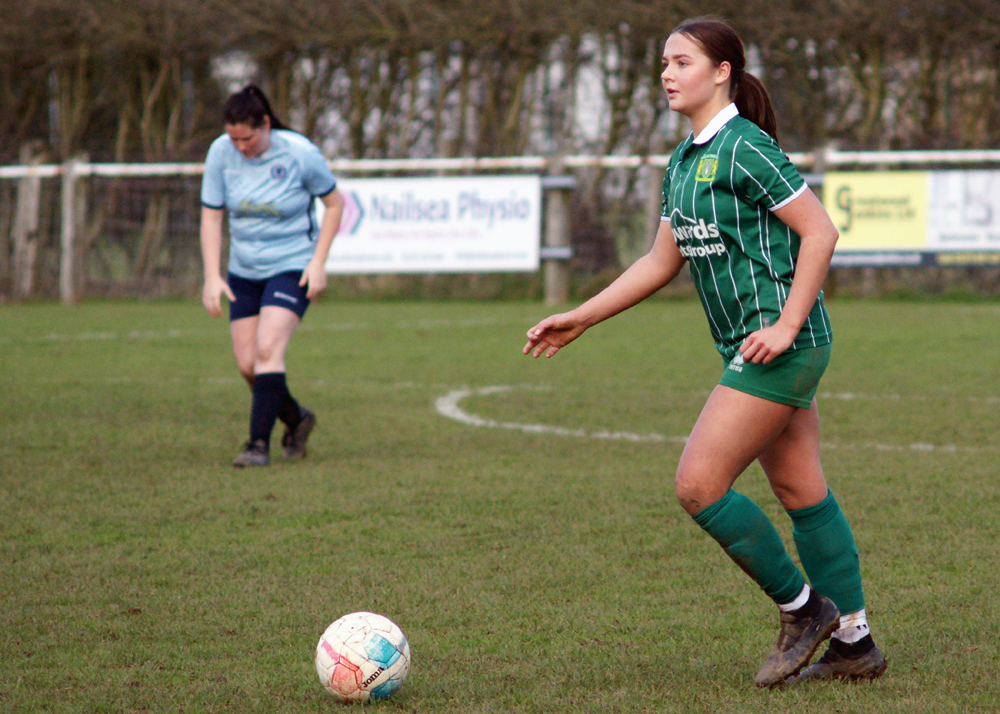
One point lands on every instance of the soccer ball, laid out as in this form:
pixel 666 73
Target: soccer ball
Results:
pixel 362 656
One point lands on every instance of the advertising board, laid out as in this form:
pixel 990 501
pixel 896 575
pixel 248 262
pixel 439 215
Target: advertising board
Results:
pixel 915 217
pixel 438 225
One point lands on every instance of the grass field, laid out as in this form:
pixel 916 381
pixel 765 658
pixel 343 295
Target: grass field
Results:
pixel 532 571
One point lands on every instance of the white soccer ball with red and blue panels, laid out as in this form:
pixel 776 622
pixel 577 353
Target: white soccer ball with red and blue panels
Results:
pixel 362 656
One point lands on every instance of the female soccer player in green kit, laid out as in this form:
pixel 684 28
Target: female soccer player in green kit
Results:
pixel 758 244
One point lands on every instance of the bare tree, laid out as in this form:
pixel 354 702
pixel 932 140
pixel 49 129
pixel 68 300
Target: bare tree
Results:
pixel 411 78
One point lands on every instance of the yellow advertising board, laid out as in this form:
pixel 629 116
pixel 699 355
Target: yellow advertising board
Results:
pixel 878 211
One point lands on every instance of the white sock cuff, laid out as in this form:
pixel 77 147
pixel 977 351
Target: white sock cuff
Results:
pixel 853 627
pixel 799 601
pixel 854 619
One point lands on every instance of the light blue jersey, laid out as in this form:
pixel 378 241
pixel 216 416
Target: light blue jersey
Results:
pixel 270 200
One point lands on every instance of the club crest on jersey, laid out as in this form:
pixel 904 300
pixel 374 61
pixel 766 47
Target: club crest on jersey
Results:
pixel 278 172
pixel 707 167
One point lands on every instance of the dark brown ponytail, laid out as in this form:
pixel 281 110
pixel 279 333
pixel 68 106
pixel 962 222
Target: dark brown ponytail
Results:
pixel 753 102
pixel 249 106
pixel 721 43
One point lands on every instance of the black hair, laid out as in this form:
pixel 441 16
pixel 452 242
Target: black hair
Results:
pixel 249 106
pixel 721 43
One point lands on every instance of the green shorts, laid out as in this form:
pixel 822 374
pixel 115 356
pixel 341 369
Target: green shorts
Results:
pixel 791 378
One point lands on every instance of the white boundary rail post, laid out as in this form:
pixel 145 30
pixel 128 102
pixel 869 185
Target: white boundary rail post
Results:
pixel 68 230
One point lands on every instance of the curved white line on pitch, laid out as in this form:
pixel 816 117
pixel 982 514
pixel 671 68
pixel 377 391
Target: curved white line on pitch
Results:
pixel 448 406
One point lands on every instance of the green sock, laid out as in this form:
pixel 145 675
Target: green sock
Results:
pixel 828 553
pixel 750 539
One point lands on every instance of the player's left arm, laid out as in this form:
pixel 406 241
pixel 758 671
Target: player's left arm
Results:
pixel 315 273
pixel 806 216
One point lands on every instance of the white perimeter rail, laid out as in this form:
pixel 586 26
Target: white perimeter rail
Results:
pixel 829 158
pixel 558 185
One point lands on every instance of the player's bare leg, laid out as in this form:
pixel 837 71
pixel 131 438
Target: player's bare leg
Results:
pixel 274 332
pixel 244 334
pixel 731 432
pixel 826 547
pixel 792 462
pixel 734 429
pixel 259 344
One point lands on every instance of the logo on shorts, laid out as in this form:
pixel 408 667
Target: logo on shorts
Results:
pixel 737 364
pixel 286 296
pixel 278 172
pixel 707 167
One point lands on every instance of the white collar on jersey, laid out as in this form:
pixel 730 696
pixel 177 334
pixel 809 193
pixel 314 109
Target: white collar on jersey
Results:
pixel 718 121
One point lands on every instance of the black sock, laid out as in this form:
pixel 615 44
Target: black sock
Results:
pixel 288 412
pixel 267 394
pixel 852 650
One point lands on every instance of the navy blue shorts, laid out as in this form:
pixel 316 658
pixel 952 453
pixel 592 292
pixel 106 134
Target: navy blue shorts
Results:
pixel 281 290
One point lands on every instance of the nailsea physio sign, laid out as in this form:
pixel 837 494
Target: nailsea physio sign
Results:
pixel 438 225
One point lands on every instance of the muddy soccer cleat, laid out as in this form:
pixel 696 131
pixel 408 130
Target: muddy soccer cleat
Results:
pixel 802 631
pixel 254 453
pixel 860 661
pixel 293 441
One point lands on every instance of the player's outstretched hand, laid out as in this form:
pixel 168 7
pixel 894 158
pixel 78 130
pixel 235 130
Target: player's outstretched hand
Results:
pixel 314 276
pixel 553 333
pixel 211 295
pixel 764 345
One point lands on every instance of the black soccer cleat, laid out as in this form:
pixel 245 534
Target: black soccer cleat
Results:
pixel 860 661
pixel 293 441
pixel 802 632
pixel 254 453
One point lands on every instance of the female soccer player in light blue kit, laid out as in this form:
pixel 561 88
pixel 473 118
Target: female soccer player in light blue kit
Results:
pixel 758 244
pixel 267 178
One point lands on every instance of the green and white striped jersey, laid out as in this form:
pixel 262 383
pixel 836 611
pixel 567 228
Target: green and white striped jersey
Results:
pixel 719 194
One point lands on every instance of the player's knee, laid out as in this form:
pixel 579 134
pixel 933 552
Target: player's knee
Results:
pixel 265 353
pixel 245 366
pixel 802 493
pixel 784 494
pixel 691 490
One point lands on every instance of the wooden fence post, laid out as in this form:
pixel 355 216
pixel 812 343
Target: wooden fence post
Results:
pixel 24 233
pixel 654 203
pixel 557 237
pixel 68 288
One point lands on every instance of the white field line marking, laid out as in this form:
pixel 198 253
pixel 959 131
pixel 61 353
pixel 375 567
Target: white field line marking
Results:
pixel 306 327
pixel 448 406
pixel 851 396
